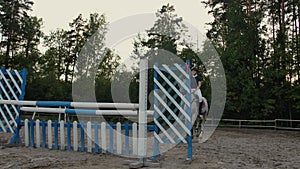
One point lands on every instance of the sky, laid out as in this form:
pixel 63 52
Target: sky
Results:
pixel 59 13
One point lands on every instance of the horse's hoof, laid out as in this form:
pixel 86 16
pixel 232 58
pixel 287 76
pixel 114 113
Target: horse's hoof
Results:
pixel 199 139
pixel 188 161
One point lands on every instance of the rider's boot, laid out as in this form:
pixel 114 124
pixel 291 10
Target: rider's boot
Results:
pixel 200 107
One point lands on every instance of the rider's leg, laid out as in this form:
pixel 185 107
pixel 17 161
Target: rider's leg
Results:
pixel 200 108
pixel 199 94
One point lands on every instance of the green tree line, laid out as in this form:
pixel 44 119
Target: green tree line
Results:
pixel 257 41
pixel 259 45
pixel 51 58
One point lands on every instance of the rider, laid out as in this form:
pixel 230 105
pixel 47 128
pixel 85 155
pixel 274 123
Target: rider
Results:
pixel 196 85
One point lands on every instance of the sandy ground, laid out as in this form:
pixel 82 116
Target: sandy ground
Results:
pixel 227 148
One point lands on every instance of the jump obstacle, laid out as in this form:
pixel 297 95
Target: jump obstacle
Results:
pixel 172 116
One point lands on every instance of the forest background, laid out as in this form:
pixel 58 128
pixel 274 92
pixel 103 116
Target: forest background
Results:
pixel 258 43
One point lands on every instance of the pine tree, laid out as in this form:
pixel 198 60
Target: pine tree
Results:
pixel 11 14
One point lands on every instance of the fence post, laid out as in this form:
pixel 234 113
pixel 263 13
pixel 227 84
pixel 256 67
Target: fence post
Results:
pixel 31 139
pixel 111 138
pixel 96 130
pixel 103 137
pixel 82 147
pixel 43 134
pixel 62 135
pixel 119 138
pixel 49 134
pixel 143 93
pixel 26 133
pixel 134 139
pixel 89 137
pixel 56 135
pixel 126 138
pixel 38 136
pixel 75 136
pixel 69 135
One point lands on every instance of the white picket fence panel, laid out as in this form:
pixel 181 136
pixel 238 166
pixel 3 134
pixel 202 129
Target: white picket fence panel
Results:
pixel 59 139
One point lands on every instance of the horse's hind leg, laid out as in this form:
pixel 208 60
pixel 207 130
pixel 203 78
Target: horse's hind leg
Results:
pixel 198 126
pixel 203 119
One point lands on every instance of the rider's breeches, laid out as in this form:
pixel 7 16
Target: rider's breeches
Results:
pixel 199 94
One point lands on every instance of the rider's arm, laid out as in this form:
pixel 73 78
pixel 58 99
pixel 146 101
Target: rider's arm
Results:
pixel 199 85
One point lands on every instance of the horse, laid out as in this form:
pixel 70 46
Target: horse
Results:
pixel 198 118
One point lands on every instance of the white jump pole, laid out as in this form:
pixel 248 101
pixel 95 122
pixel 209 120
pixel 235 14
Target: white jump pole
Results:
pixel 77 105
pixel 143 92
pixel 83 111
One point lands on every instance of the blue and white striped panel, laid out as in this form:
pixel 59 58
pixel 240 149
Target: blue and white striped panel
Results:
pixel 12 87
pixel 172 104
